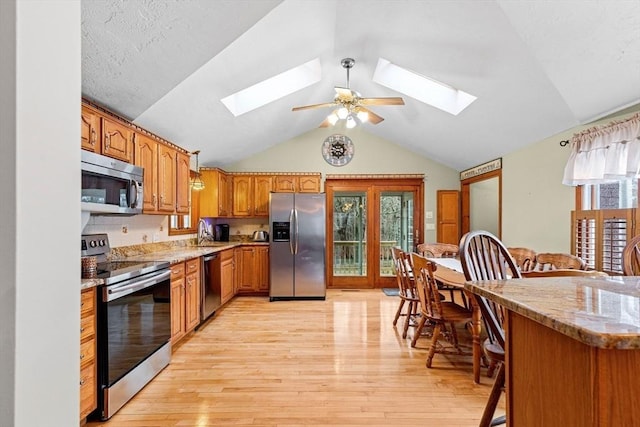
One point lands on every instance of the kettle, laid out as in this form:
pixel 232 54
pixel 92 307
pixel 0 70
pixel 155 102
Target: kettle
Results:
pixel 260 236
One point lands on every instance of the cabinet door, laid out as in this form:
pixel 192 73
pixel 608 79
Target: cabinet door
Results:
pixel 262 264
pixel 90 130
pixel 182 183
pixel 192 298
pixel 166 179
pixel 261 190
pixel 177 309
pixel 227 275
pixel 242 195
pixel 247 280
pixel 285 183
pixel 146 156
pixel 117 140
pixel 309 184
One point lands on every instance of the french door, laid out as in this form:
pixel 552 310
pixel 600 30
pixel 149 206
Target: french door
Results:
pixel 365 219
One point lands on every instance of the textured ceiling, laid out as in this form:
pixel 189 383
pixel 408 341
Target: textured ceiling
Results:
pixel 537 68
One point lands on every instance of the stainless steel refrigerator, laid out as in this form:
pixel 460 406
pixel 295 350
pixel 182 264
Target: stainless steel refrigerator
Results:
pixel 297 246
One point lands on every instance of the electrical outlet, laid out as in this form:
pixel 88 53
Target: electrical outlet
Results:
pixel 430 226
pixel 428 214
pixel 156 237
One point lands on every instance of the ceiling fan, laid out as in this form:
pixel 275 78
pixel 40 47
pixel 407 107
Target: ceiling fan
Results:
pixel 351 106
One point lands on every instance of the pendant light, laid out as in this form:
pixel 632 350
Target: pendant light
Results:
pixel 196 182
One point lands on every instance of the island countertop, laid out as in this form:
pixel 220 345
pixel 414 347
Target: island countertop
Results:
pixel 600 312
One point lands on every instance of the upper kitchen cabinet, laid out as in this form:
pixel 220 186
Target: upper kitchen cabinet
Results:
pixel 297 183
pixel 167 165
pixel 90 130
pixel 146 156
pixel 117 140
pixel 251 195
pixel 105 135
pixel 215 199
pixel 182 183
pixel 166 176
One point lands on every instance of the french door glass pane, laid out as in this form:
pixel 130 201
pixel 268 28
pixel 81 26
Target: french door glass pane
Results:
pixel 349 234
pixel 396 226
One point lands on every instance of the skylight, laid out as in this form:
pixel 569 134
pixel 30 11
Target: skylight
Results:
pixel 422 88
pixel 273 88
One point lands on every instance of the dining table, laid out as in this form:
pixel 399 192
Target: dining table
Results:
pixel 449 272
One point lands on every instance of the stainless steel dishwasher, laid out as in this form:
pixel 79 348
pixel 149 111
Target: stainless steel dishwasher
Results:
pixel 210 286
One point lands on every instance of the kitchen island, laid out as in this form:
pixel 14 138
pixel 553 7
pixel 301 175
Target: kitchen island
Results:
pixel 572 349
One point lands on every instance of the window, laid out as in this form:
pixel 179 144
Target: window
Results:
pixel 605 220
pixel 186 224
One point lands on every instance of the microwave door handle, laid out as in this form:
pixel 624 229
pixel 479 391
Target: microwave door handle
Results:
pixel 134 202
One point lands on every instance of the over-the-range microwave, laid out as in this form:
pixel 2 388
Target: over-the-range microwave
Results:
pixel 110 186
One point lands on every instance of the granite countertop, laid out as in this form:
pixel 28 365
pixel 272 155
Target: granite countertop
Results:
pixel 173 255
pixel 600 312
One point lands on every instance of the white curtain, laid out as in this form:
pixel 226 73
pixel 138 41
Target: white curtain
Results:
pixel 605 154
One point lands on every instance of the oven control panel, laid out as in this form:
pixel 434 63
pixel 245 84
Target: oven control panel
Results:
pixel 94 244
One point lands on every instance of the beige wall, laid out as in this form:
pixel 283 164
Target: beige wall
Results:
pixel 372 155
pixel 536 206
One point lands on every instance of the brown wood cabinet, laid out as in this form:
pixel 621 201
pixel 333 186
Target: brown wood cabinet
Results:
pixel 251 195
pixel 253 269
pixel 215 199
pixel 117 140
pixel 90 130
pixel 182 183
pixel 167 164
pixel 88 373
pixel 185 298
pixel 227 281
pixel 192 296
pixel 301 183
pixel 146 156
pixel 178 299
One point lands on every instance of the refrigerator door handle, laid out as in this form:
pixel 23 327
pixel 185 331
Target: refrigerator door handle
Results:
pixel 291 231
pixel 295 219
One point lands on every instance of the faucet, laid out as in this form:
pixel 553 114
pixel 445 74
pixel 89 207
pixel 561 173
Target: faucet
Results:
pixel 203 232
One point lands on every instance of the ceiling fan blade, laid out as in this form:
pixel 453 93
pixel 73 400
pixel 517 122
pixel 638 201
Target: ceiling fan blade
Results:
pixel 382 101
pixel 374 119
pixel 309 107
pixel 325 124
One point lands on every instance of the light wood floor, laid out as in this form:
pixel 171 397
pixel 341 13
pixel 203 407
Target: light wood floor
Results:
pixel 338 362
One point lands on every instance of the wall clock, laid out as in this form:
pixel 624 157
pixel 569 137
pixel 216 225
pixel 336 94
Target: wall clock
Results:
pixel 337 150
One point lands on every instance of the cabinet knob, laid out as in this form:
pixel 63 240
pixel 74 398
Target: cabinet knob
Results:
pixel 82 381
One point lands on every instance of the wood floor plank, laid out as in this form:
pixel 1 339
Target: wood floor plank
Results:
pixel 338 362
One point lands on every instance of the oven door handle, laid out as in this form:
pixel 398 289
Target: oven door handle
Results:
pixel 115 292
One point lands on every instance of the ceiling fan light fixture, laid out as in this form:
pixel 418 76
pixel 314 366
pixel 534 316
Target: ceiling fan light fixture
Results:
pixel 333 118
pixel 343 113
pixel 363 116
pixel 351 122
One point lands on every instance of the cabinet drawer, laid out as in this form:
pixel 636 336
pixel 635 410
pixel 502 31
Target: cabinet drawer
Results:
pixel 87 302
pixel 88 391
pixel 193 265
pixel 177 270
pixel 87 352
pixel 87 327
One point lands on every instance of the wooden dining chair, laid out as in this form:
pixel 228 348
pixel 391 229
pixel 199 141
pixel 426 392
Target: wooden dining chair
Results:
pixel 443 250
pixel 631 257
pixel 484 257
pixel 525 258
pixel 406 289
pixel 549 261
pixel 443 315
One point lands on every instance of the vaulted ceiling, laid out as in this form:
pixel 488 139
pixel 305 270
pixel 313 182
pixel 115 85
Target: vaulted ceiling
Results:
pixel 537 68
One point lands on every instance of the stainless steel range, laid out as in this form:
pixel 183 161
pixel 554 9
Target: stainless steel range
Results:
pixel 133 324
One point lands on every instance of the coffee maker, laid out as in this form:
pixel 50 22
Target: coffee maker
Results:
pixel 221 232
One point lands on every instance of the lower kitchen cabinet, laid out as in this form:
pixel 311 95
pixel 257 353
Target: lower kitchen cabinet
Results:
pixel 178 316
pixel 185 298
pixel 226 274
pixel 253 270
pixel 88 373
